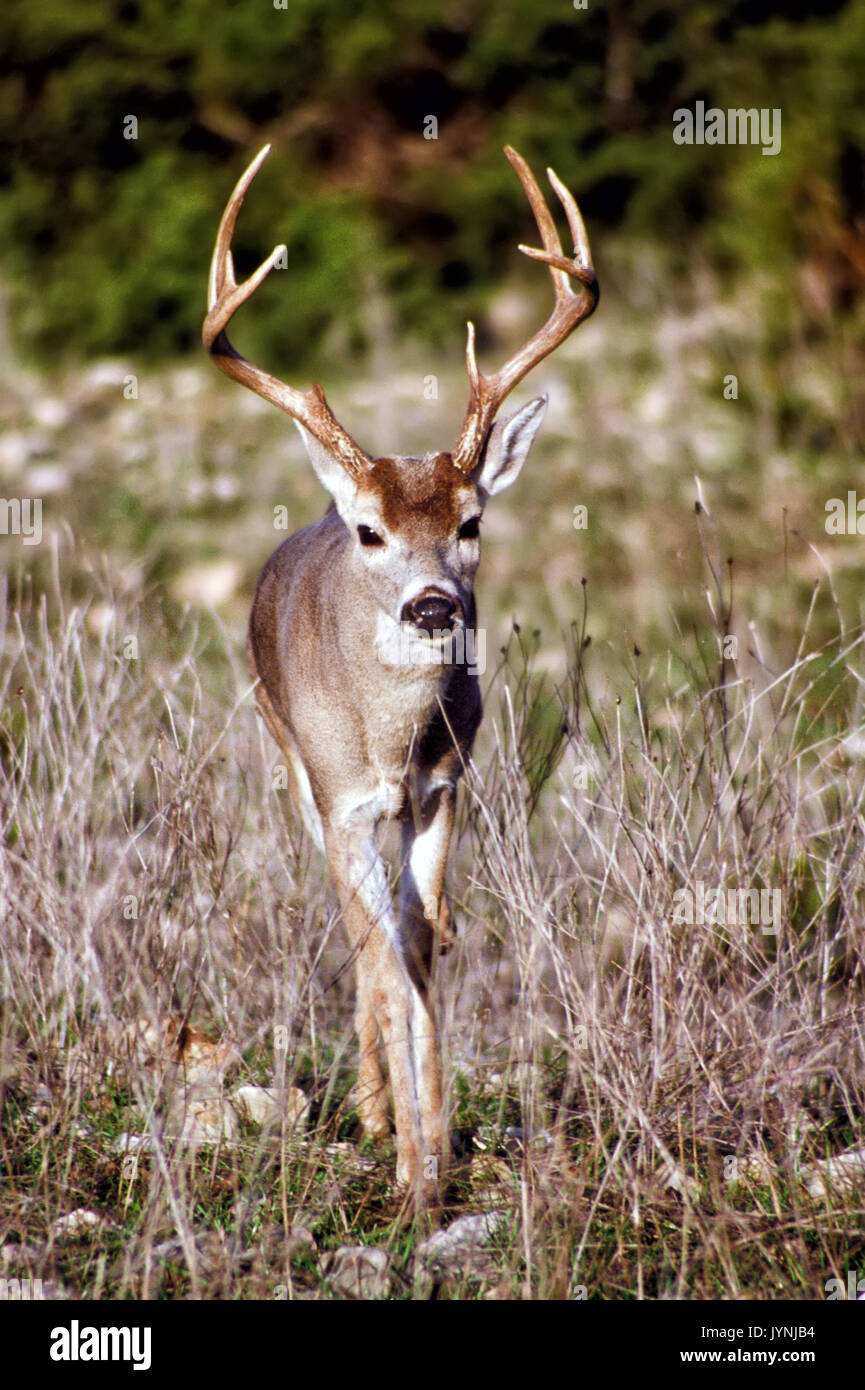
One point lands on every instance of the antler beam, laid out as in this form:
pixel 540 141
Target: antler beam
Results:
pixel 225 296
pixel 569 310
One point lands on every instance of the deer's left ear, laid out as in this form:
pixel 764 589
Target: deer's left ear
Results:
pixel 508 446
pixel 331 474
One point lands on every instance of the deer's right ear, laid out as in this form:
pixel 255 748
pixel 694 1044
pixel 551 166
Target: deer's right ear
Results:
pixel 508 446
pixel 331 474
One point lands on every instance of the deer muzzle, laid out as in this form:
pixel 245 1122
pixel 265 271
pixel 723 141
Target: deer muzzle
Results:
pixel 433 611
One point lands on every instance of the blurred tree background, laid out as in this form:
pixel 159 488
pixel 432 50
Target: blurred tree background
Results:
pixel 105 238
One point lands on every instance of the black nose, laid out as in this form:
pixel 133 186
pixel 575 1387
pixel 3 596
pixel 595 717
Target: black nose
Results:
pixel 431 611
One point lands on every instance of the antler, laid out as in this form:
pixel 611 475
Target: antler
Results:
pixel 570 309
pixel 224 298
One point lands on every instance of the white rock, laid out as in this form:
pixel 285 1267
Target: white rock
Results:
pixel 207 584
pixel 75 1223
pixel 680 1181
pixel 262 1105
pixel 101 376
pixel 188 382
pixel 16 447
pixel 132 1143
pixel 225 487
pixel 841 1171
pixel 205 1118
pixel 257 1104
pixel 44 478
pixel 460 1254
pixel 18 1256
pixel 101 618
pixel 50 412
pixel 466 1236
pixel 348 1154
pixel 758 1167
pixel 854 746
pixel 358 1271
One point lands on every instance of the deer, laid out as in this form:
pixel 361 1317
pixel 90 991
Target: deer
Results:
pixel 365 677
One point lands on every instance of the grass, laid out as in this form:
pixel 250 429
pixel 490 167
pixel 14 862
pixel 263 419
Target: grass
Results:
pixel 643 1096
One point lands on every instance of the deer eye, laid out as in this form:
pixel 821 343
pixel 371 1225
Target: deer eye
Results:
pixel 470 530
pixel 369 537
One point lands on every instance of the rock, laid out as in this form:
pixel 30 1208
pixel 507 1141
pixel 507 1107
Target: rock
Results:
pixel 757 1167
pixel 76 1224
pixel 18 447
pixel 212 1251
pixel 51 412
pixel 854 746
pixel 841 1171
pixel 52 1292
pixel 467 1234
pixel 491 1178
pixel 348 1154
pixel 85 1063
pixel 126 1143
pixel 461 1252
pixel 520 1137
pixel 357 1271
pixel 207 584
pixel 41 1103
pixel 188 382
pixel 518 1075
pixel 275 1243
pixel 45 478
pixel 503 1291
pixel 676 1178
pixel 257 1104
pixel 18 1256
pixel 202 1116
pixel 101 618
pixel 103 376
pixel 263 1105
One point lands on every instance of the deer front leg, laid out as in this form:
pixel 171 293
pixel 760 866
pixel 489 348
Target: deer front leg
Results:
pixel 424 913
pixel 392 1005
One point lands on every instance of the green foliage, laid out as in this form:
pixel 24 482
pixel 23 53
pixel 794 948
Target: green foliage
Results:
pixel 106 238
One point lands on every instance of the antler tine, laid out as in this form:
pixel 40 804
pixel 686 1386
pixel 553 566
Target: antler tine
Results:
pixel 224 298
pixel 222 262
pixel 576 225
pixel 486 394
pixel 543 217
pixel 580 266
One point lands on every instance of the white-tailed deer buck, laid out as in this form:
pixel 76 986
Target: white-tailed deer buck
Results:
pixel 358 638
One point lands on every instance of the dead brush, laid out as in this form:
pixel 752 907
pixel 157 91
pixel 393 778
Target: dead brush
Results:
pixel 647 1098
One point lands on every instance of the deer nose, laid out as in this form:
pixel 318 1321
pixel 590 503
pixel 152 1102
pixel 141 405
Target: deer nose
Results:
pixel 431 611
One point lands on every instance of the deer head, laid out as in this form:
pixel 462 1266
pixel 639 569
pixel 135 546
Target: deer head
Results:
pixel 415 522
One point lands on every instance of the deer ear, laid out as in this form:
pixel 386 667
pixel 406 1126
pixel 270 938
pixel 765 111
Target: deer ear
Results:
pixel 508 446
pixel 330 473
